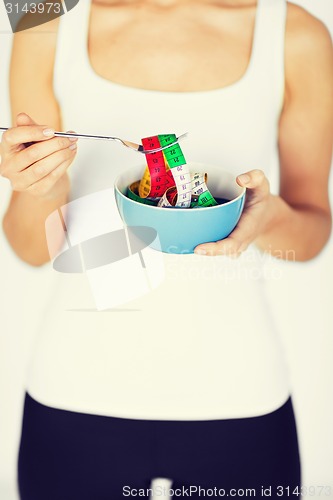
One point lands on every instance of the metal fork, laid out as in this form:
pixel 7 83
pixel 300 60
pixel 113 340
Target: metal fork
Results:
pixel 131 145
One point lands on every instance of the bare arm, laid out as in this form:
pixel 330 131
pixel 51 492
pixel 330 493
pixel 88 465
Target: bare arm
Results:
pixel 38 173
pixel 301 218
pixel 297 223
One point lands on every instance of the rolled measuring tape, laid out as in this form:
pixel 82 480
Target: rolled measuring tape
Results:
pixel 133 194
pixel 167 181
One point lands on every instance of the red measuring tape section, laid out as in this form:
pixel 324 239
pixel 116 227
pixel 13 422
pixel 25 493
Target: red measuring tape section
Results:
pixel 155 185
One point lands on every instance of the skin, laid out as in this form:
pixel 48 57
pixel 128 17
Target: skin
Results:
pixel 299 219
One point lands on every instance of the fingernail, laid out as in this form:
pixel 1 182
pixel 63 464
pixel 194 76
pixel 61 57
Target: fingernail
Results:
pixel 72 147
pixel 200 251
pixel 244 178
pixel 48 132
pixel 72 139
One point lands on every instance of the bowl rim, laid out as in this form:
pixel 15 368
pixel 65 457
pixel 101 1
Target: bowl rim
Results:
pixel 176 209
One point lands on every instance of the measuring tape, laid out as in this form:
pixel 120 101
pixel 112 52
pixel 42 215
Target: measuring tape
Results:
pixel 180 171
pixel 154 184
pixel 158 182
pixel 167 181
pixel 133 194
pixel 201 196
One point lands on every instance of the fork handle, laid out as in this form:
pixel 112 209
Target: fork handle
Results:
pixel 79 136
pixel 86 136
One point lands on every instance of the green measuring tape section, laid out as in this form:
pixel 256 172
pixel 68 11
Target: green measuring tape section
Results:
pixel 174 154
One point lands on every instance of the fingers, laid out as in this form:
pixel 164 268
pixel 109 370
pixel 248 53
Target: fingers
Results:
pixel 24 119
pixel 26 131
pixel 38 167
pixel 44 187
pixel 250 223
pixel 230 247
pixel 256 183
pixel 251 179
pixel 22 181
pixel 28 156
pixel 14 137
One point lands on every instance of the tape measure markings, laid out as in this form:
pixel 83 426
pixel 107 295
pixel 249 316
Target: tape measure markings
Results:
pixel 133 194
pixel 154 186
pixel 200 189
pixel 167 181
pixel 180 171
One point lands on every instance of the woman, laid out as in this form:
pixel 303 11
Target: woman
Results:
pixel 203 399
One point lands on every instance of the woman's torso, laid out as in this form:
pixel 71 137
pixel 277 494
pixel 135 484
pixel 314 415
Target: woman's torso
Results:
pixel 201 345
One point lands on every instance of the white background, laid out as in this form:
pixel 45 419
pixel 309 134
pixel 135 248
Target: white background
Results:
pixel 304 316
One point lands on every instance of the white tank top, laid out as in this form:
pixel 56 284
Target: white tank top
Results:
pixel 145 359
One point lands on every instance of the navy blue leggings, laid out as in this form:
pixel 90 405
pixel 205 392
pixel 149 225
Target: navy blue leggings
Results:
pixel 73 456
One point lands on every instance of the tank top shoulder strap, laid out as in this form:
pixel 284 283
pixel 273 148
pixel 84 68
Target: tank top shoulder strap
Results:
pixel 71 57
pixel 269 44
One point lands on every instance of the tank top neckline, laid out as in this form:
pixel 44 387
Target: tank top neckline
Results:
pixel 89 70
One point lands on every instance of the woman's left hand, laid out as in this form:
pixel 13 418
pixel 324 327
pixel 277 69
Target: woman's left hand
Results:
pixel 253 221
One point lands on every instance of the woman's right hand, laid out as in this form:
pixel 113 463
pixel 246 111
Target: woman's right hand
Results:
pixel 41 168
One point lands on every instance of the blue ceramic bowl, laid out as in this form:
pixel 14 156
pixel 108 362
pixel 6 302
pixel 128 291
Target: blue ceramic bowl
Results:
pixel 180 230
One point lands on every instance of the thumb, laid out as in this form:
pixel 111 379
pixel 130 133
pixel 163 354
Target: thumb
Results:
pixel 24 119
pixel 256 183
